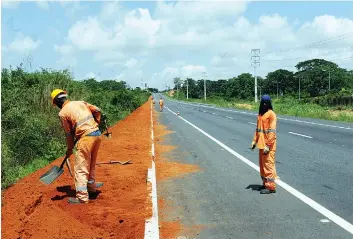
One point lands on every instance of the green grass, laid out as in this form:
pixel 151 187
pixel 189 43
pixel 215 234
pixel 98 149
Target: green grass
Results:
pixel 286 106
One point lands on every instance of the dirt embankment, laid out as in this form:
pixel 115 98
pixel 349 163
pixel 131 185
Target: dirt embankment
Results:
pixel 33 210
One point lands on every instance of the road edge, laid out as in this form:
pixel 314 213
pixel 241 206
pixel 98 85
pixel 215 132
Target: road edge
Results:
pixel 151 224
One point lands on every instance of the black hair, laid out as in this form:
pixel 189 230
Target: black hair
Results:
pixel 60 101
pixel 265 105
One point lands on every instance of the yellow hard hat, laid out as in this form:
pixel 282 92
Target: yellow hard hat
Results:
pixel 55 93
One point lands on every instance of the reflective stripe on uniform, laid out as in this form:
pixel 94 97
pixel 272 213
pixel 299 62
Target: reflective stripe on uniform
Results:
pixel 266 131
pixel 81 188
pixel 270 179
pixel 90 181
pixel 81 122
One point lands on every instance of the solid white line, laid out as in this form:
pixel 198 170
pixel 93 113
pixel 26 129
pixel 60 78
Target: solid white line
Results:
pixel 294 120
pixel 252 123
pixel 327 213
pixel 306 136
pixel 151 224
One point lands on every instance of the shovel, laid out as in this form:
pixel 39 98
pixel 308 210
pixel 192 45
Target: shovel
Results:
pixel 53 173
pixel 113 162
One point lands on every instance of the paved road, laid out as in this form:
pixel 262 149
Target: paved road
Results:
pixel 314 157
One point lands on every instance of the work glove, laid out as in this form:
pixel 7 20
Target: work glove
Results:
pixel 69 152
pixel 253 145
pixel 266 149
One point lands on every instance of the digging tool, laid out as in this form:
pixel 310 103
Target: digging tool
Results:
pixel 108 135
pixel 52 174
pixel 113 162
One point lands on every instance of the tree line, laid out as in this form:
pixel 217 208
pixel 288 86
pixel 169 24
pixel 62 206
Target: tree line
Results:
pixel 314 78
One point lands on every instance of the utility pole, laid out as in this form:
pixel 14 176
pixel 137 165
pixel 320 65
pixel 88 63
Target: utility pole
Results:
pixel 187 88
pixel 204 76
pixel 329 80
pixel 277 89
pixel 178 89
pixel 299 88
pixel 255 62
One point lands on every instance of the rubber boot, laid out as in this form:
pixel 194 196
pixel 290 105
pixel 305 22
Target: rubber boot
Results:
pixel 267 191
pixel 76 201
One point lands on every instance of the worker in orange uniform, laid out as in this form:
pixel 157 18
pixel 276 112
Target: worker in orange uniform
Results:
pixel 161 104
pixel 265 140
pixel 80 120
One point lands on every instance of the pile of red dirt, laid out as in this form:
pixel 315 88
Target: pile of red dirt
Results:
pixel 33 210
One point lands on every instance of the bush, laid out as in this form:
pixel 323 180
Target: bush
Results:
pixel 32 135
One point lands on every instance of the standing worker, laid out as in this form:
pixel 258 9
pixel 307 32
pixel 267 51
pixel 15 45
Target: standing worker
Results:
pixel 80 120
pixel 161 104
pixel 265 140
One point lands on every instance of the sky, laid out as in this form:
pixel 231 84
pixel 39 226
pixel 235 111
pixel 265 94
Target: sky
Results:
pixel 154 41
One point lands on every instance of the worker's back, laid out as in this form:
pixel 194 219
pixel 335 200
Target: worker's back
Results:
pixel 79 116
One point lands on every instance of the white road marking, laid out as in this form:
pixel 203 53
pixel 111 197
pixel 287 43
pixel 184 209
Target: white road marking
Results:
pixel 294 120
pixel 306 136
pixel 252 123
pixel 325 212
pixel 214 113
pixel 151 224
pixel 324 220
pixel 229 117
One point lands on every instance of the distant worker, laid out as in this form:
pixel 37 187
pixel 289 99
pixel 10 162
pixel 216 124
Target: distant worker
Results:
pixel 153 101
pixel 80 120
pixel 161 104
pixel 265 140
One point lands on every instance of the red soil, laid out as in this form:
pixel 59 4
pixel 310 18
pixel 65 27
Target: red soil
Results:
pixel 33 210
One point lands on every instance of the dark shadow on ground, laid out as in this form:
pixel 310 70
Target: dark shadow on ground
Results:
pixel 69 192
pixel 254 187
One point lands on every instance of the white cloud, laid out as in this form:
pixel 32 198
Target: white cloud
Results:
pixel 43 5
pixel 23 44
pixel 10 4
pixel 91 75
pixel 212 36
pixel 111 11
pixel 64 49
pixel 131 63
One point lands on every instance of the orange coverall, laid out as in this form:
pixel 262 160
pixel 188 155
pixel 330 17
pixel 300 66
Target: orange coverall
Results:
pixel 78 120
pixel 265 134
pixel 161 104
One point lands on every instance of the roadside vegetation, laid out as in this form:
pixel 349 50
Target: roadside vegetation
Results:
pixel 31 134
pixel 326 91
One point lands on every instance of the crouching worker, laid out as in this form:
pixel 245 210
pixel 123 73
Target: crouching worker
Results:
pixel 265 140
pixel 80 120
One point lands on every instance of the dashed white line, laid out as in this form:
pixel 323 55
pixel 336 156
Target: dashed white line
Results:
pixel 229 117
pixel 319 208
pixel 214 113
pixel 252 123
pixel 306 136
pixel 294 120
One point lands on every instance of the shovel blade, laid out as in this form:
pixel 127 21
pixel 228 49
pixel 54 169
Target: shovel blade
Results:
pixel 51 175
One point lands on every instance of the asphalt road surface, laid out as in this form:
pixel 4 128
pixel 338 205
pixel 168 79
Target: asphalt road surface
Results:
pixel 314 161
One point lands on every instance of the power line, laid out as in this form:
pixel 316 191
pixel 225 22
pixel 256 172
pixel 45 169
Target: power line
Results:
pixel 323 54
pixel 322 42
